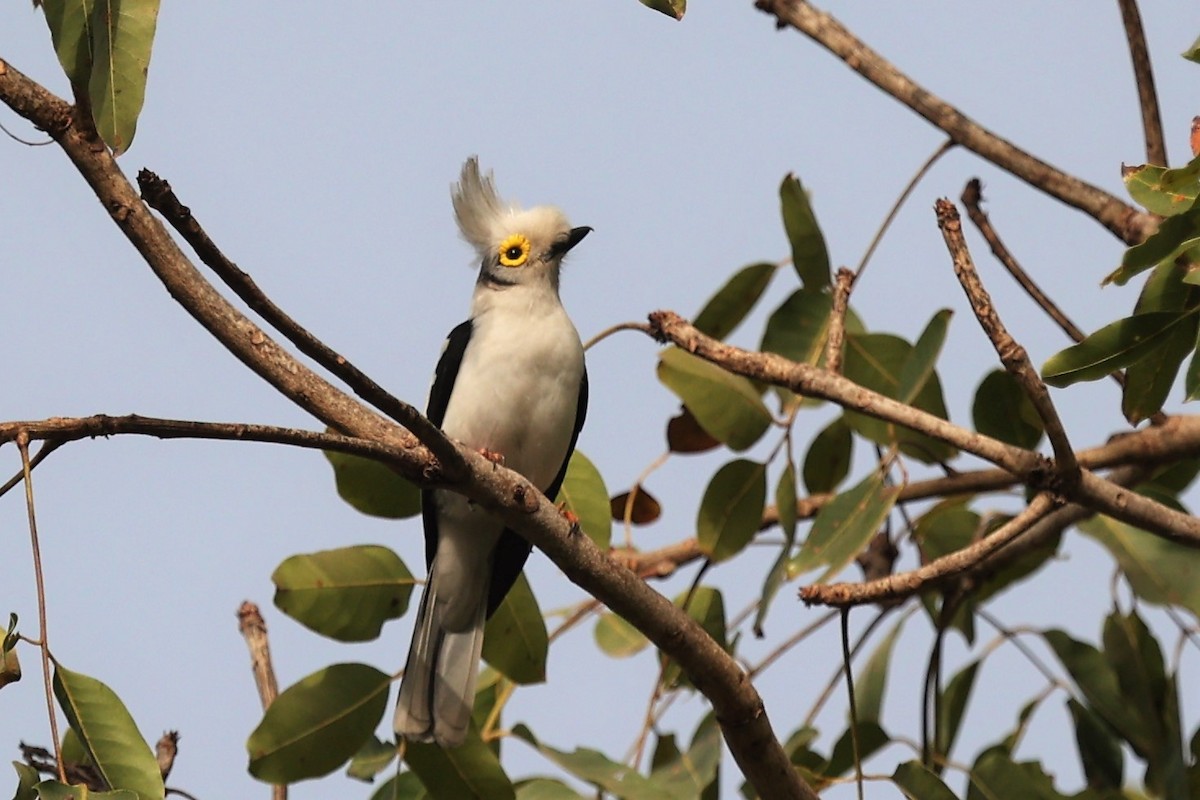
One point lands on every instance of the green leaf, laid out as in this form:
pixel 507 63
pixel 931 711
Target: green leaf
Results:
pixel 918 783
pixel 315 725
pixel 953 706
pixel 877 361
pixel 1149 380
pixel 546 789
pixel 1159 571
pixel 596 768
pixel 515 640
pixel 809 254
pixel 707 607
pixel 1174 236
pixel 1193 52
pixel 1003 411
pixel 731 511
pixel 785 505
pixel 123 33
pixel 346 594
pixel 726 309
pixel 372 758
pixel 844 526
pixel 799 327
pixel 827 462
pixel 727 406
pixel 108 733
pixel 995 775
pixel 1113 347
pixel 872 680
pixel 1097 681
pixel 27 778
pixel 10 662
pixel 53 790
pixel 373 488
pixel 404 786
pixel 672 8
pixel 470 770
pixel 689 774
pixel 1099 751
pixel 919 366
pixel 1164 191
pixel 70 31
pixel 871 738
pixel 584 494
pixel 618 638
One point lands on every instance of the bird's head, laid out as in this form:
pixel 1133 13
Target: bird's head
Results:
pixel 517 247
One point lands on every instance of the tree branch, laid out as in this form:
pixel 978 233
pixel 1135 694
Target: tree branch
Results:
pixel 1128 223
pixel 736 704
pixel 1135 35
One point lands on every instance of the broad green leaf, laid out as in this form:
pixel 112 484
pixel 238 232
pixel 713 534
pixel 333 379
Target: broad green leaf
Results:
pixel 315 725
pixel 995 775
pixel 584 494
pixel 844 527
pixel 404 786
pixel 618 638
pixel 1174 236
pixel 1193 52
pixel 10 662
pixel 827 462
pixel 53 790
pixel 372 758
pixel 872 680
pixel 1149 380
pixel 1097 681
pixel 726 309
pixel 515 640
pixel 918 783
pixel 27 778
pixel 809 254
pixel 1163 191
pixel 785 504
pixel 73 751
pixel 1159 571
pixel 70 24
pixel 346 594
pixel 876 361
pixel 108 733
pixel 488 690
pixel 1003 411
pixel 672 8
pixel 372 488
pixel 727 406
pixel 707 607
pixel 953 706
pixel 731 511
pixel 546 789
pixel 689 774
pixel 871 738
pixel 1114 347
pixel 123 33
pixel 799 327
pixel 470 770
pixel 1099 751
pixel 920 363
pixel 598 769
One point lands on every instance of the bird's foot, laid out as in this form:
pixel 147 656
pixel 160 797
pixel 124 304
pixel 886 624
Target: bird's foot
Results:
pixel 491 455
pixel 571 517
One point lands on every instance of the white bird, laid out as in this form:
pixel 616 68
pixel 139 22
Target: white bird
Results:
pixel 511 382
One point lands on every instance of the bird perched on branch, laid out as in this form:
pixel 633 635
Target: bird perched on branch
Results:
pixel 511 383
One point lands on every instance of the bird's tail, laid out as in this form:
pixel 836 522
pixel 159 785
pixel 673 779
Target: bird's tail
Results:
pixel 437 692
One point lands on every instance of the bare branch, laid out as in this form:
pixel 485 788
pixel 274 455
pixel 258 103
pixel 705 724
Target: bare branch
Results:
pixel 836 338
pixel 1128 223
pixel 254 630
pixel 1135 35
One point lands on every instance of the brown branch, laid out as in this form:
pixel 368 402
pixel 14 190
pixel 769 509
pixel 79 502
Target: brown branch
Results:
pixel 158 195
pixel 1011 353
pixel 1027 467
pixel 1135 35
pixel 1128 223
pixel 254 630
pixel 736 704
pixel 835 342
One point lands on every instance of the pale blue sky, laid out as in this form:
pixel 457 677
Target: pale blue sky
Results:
pixel 318 147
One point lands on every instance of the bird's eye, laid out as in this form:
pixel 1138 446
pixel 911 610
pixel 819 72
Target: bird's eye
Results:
pixel 514 250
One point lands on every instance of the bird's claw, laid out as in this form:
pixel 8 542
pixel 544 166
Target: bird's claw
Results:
pixel 492 456
pixel 571 517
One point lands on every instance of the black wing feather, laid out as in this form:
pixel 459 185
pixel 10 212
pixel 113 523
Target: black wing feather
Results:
pixel 513 549
pixel 444 376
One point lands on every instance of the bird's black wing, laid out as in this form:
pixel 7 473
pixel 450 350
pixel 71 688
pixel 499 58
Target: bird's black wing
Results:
pixel 513 549
pixel 444 376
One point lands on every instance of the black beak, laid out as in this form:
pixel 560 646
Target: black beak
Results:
pixel 573 238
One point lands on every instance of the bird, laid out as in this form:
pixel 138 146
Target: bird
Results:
pixel 512 384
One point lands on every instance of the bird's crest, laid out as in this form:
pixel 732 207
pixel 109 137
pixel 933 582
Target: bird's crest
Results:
pixel 487 221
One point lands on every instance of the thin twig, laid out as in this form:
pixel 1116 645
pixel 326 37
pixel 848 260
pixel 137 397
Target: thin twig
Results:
pixel 1135 35
pixel 622 326
pixel 836 338
pixel 832 684
pixel 40 580
pixel 1011 353
pixel 853 701
pixel 1129 224
pixel 158 195
pixel 254 630
pixel 40 456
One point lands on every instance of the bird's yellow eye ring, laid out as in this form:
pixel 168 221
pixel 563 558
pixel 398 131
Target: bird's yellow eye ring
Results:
pixel 514 250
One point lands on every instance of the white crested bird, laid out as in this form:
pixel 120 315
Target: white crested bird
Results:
pixel 510 382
